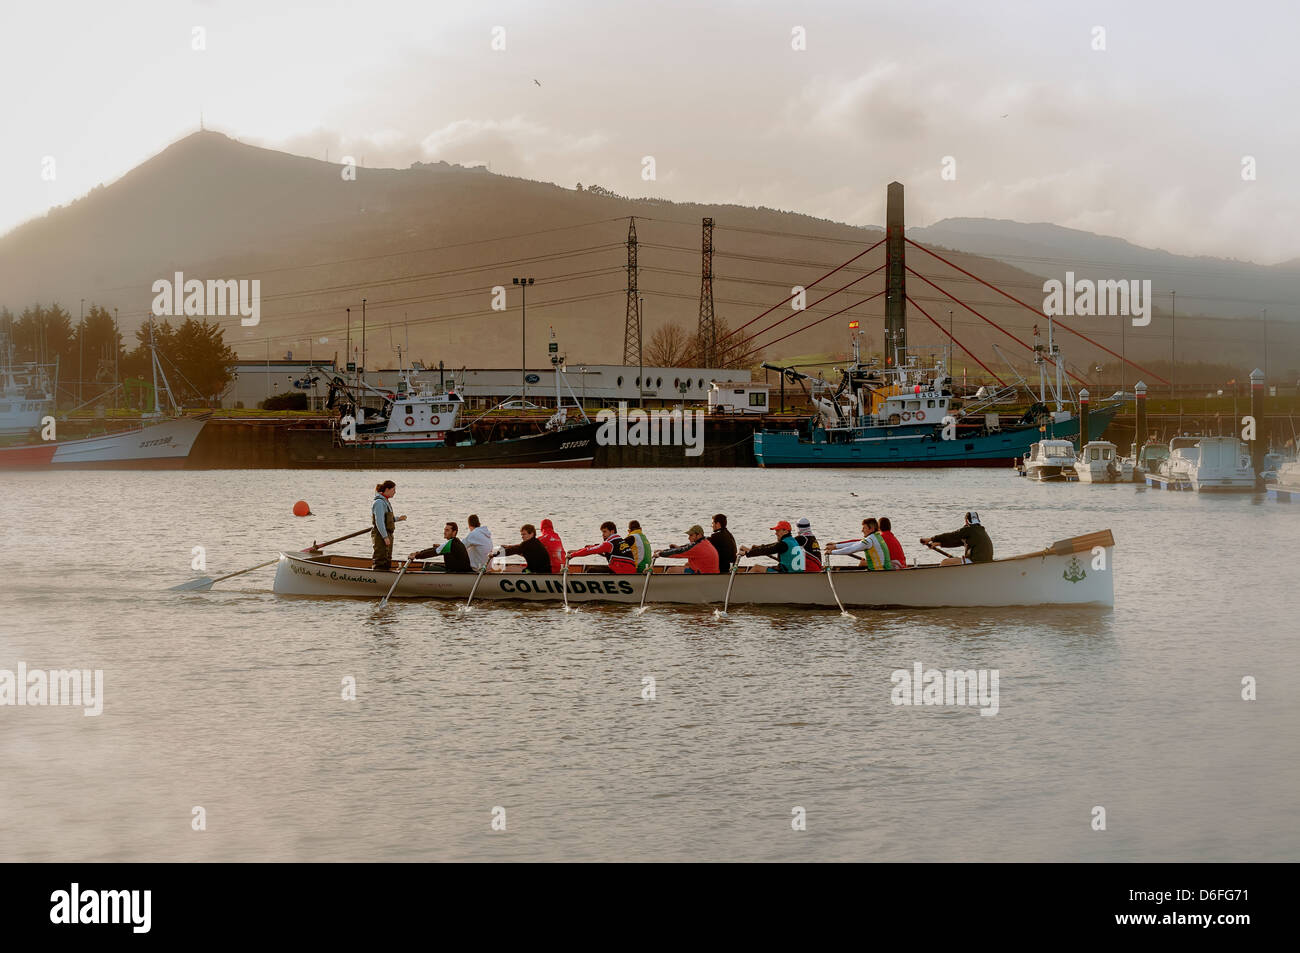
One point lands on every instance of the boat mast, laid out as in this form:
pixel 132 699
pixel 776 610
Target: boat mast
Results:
pixel 1056 359
pixel 153 352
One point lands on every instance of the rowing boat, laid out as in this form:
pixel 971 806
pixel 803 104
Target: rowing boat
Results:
pixel 1075 571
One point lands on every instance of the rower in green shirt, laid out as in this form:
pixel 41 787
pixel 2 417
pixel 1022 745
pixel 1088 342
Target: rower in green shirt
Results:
pixel 644 556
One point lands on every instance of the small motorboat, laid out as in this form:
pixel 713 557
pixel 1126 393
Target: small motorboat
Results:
pixel 1201 464
pixel 1050 460
pixel 1098 462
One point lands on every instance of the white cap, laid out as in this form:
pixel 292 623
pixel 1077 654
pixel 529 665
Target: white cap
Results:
pixel 803 523
pixel 973 517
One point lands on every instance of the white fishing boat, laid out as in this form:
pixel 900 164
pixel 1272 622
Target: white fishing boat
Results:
pixel 159 443
pixel 26 395
pixel 1075 571
pixel 1205 465
pixel 1098 462
pixel 1049 460
pixel 1286 489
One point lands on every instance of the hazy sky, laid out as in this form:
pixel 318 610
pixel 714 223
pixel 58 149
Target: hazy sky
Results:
pixel 1144 139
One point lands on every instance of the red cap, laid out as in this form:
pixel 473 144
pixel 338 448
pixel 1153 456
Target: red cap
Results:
pixel 784 524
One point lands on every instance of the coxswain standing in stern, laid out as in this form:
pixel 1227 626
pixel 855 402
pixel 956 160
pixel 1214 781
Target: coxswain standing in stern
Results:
pixel 979 548
pixel 789 555
pixel 382 524
pixel 618 551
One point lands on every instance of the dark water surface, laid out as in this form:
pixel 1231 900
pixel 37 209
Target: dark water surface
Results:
pixel 231 700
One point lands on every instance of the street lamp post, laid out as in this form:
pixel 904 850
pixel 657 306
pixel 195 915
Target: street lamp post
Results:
pixel 81 351
pixel 523 284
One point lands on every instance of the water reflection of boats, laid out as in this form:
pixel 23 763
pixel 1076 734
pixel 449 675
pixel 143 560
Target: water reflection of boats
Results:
pixel 1075 571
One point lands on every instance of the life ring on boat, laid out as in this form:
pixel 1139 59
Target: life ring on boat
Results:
pixel 920 415
pixel 410 421
pixel 907 415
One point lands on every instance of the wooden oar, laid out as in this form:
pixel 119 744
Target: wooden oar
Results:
pixel 474 588
pixel 833 592
pixel 721 613
pixel 204 583
pixel 650 571
pixel 937 550
pixel 384 601
pixel 564 584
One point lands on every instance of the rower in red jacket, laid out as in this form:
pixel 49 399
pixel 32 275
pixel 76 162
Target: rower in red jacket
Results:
pixel 619 551
pixel 551 540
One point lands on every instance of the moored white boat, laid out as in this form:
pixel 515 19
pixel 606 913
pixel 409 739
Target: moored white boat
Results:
pixel 1205 465
pixel 1286 489
pixel 1075 571
pixel 160 446
pixel 1098 463
pixel 1049 460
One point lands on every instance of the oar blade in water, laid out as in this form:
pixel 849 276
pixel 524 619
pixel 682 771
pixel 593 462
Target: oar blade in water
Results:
pixel 202 584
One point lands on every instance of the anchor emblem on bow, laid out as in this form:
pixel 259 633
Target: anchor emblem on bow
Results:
pixel 1075 572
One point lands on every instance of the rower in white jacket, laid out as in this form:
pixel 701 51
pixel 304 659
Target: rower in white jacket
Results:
pixel 478 543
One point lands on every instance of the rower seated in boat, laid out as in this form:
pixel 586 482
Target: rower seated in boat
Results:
pixel 973 535
pixel 640 545
pixel 789 555
pixel 455 557
pixel 700 555
pixel 872 545
pixel 619 551
pixel 554 545
pixel 531 548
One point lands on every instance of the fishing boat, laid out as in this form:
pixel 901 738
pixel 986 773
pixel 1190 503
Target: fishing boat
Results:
pixel 1049 460
pixel 418 425
pixel 160 442
pixel 1098 462
pixel 1203 464
pixel 906 414
pixel 1286 488
pixel 1075 571
pixel 26 395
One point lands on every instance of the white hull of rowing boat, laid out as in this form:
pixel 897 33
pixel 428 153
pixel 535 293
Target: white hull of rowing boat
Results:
pixel 1063 575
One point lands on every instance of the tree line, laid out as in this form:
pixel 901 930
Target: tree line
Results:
pixel 195 357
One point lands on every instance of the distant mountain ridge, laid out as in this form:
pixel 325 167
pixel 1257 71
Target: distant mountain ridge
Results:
pixel 427 245
pixel 1221 287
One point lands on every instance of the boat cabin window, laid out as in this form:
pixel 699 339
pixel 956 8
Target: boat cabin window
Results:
pixel 1057 451
pixel 912 405
pixel 929 403
pixel 409 409
pixel 758 399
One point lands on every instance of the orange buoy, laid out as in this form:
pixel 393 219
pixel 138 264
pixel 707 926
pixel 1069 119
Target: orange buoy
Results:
pixel 301 508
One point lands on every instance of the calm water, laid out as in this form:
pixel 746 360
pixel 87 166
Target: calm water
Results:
pixel 231 700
